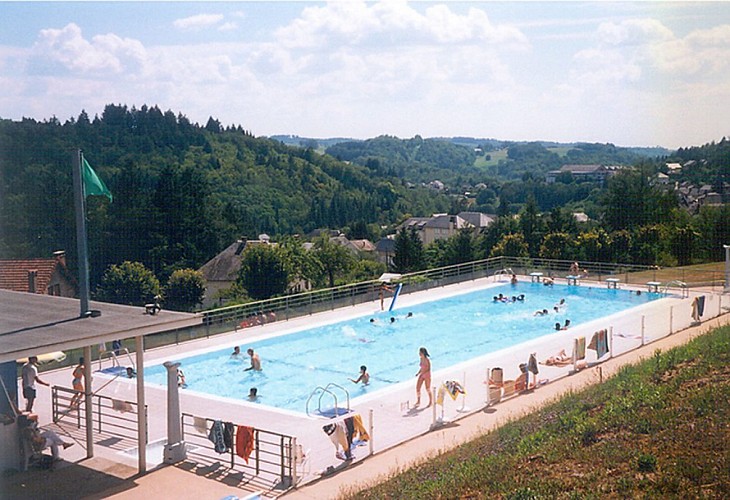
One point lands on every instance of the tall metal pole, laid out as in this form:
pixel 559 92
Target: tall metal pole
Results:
pixel 80 207
pixel 141 403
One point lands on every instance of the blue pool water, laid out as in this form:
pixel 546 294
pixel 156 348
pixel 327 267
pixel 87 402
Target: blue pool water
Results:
pixel 454 330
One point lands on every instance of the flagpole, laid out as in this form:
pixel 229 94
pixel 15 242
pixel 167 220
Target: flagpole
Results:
pixel 81 246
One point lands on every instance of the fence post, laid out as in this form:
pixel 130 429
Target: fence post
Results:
pixel 258 447
pixel 370 431
pixel 642 330
pixel 281 454
pixel 293 456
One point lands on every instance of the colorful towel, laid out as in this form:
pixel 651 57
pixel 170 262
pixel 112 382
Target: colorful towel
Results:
pixel 362 434
pixel 599 343
pixel 454 388
pixel 244 441
pixel 216 437
pixel 579 349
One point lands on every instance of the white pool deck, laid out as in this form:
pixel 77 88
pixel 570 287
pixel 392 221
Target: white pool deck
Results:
pixel 392 426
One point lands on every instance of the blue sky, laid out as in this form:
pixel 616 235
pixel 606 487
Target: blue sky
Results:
pixel 628 73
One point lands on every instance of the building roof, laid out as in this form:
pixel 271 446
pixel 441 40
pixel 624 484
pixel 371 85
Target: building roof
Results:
pixel 363 245
pixel 447 222
pixel 225 265
pixel 582 169
pixel 477 219
pixel 385 245
pixel 33 324
pixel 14 273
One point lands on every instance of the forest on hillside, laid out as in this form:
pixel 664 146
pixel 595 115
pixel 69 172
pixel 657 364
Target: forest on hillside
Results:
pixel 182 191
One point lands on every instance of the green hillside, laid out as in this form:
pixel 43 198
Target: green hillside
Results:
pixel 182 192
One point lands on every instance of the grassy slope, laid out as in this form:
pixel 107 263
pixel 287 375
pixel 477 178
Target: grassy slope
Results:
pixel 656 430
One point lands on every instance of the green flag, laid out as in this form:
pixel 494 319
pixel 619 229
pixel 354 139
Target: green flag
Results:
pixel 92 183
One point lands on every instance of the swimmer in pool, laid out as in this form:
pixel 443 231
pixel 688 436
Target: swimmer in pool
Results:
pixel 253 394
pixel 236 352
pixel 364 376
pixel 255 361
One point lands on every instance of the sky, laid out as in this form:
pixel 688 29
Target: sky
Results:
pixel 645 73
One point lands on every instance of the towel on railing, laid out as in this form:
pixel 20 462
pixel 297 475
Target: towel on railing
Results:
pixel 360 430
pixel 599 343
pixel 228 430
pixel 200 425
pixel 579 349
pixel 338 435
pixel 216 437
pixel 244 441
pixel 121 406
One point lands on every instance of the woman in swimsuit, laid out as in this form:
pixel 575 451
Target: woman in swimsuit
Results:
pixel 424 376
pixel 78 384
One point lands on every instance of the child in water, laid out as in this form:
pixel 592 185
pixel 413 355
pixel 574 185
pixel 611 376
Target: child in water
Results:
pixel 364 377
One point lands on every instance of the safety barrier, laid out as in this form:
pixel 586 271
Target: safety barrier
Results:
pixel 109 415
pixel 274 458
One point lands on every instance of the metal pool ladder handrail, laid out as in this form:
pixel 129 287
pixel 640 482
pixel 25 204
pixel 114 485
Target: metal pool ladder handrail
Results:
pixel 326 390
pixel 503 272
pixel 681 284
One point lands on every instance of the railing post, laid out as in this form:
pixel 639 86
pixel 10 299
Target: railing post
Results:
pixel 281 455
pixel 258 447
pixel 370 432
pixel 98 406
pixel 642 329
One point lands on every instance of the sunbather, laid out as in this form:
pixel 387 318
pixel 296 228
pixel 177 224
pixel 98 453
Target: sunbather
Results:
pixel 559 359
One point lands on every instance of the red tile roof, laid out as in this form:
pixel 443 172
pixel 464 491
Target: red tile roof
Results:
pixel 14 274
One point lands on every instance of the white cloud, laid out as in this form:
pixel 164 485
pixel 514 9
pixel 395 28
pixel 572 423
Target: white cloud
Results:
pixel 358 23
pixel 70 49
pixel 634 32
pixel 198 22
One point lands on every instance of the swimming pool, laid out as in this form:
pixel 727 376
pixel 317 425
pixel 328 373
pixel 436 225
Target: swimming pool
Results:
pixel 454 330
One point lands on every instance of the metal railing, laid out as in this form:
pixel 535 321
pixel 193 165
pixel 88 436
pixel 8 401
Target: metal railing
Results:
pixel 307 303
pixel 273 456
pixel 110 415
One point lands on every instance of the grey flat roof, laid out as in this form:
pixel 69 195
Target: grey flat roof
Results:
pixel 32 324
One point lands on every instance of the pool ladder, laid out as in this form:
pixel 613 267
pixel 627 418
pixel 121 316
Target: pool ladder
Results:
pixel 328 390
pixel 507 271
pixel 680 284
